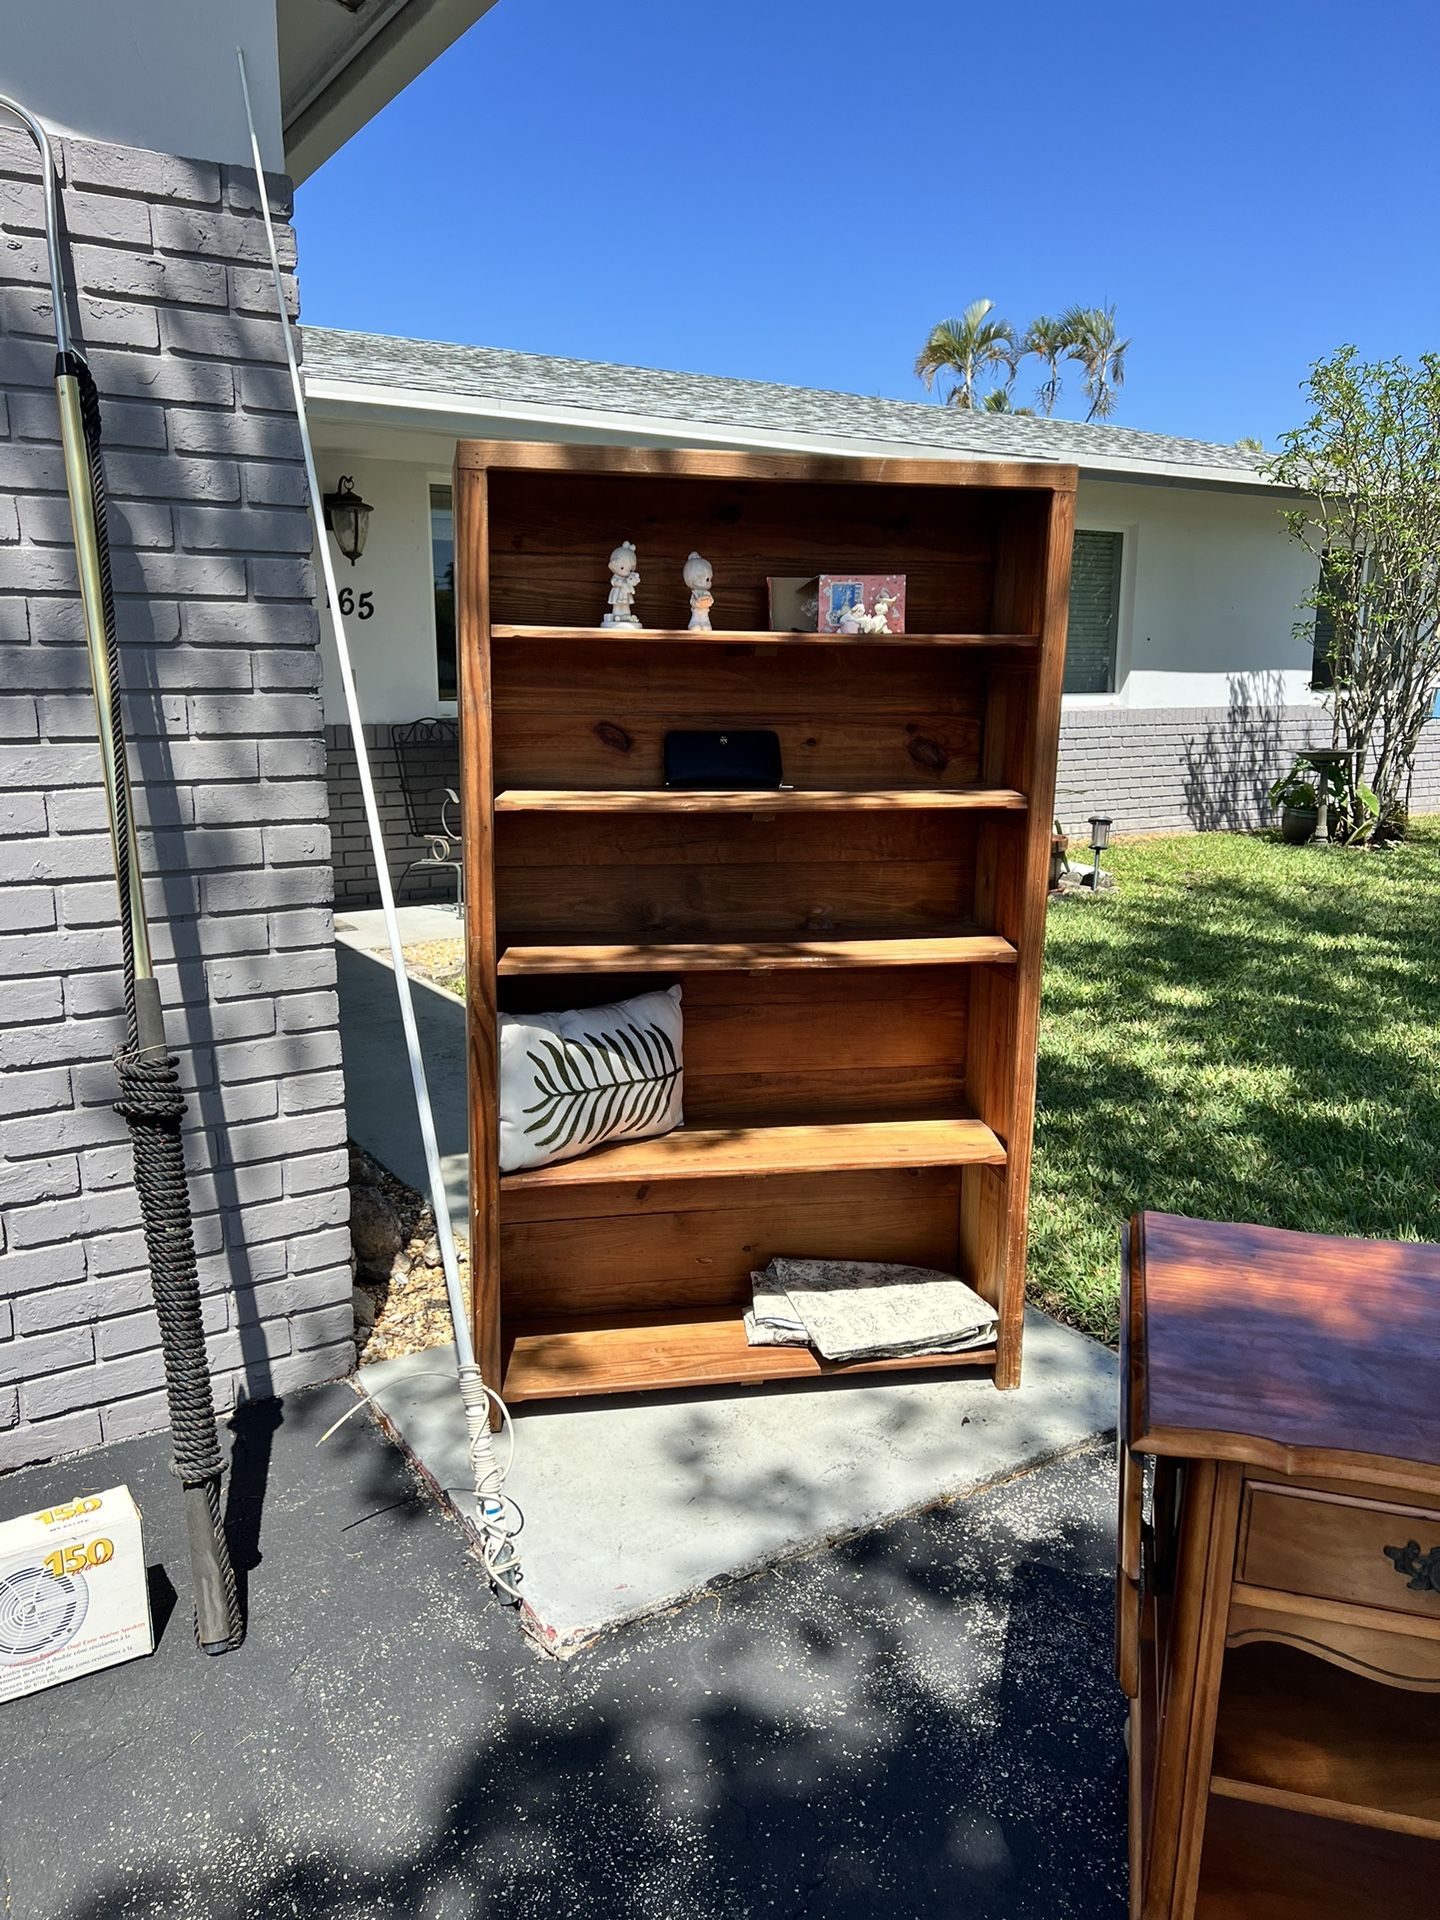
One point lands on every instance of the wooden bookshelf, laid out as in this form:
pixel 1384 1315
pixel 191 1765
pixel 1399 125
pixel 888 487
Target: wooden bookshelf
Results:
pixel 859 953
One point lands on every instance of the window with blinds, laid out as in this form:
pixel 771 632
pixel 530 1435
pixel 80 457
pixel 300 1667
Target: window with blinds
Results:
pixel 1094 612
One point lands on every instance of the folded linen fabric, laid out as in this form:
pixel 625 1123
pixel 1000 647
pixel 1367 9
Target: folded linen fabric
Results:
pixel 759 1334
pixel 872 1310
pixel 772 1321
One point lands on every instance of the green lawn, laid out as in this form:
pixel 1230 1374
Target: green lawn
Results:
pixel 1244 1031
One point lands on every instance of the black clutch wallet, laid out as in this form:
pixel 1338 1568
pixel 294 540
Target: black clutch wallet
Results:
pixel 745 759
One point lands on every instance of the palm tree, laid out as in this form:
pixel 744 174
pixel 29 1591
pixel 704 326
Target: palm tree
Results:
pixel 1048 340
pixel 999 401
pixel 1093 343
pixel 966 348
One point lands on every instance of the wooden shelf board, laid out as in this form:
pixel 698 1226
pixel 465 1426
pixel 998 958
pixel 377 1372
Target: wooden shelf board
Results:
pixel 750 637
pixel 669 1348
pixel 1297 1733
pixel 1267 1863
pixel 790 800
pixel 734 1153
pixel 818 950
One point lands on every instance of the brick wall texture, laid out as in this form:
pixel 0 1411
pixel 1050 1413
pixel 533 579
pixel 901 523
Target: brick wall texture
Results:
pixel 353 861
pixel 220 664
pixel 1195 769
pixel 1154 770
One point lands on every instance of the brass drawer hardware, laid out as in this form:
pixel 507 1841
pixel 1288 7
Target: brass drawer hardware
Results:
pixel 1423 1569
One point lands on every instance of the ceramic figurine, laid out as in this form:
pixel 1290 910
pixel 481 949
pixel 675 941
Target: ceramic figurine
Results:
pixel 698 575
pixel 624 579
pixel 885 604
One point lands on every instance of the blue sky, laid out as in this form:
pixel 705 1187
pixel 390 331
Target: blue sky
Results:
pixel 795 190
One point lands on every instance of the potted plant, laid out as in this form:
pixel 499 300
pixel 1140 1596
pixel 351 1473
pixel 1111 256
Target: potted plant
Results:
pixel 1298 798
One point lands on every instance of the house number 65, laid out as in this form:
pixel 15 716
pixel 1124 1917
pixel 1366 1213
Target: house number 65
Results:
pixel 363 604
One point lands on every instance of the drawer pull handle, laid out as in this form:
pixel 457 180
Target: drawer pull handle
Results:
pixel 1422 1569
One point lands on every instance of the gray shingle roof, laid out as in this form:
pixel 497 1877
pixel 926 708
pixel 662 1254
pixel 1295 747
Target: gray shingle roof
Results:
pixel 496 374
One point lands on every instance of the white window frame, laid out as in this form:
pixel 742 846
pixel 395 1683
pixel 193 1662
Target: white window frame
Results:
pixel 445 708
pixel 1129 532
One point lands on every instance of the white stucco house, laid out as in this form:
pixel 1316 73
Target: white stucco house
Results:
pixel 1187 686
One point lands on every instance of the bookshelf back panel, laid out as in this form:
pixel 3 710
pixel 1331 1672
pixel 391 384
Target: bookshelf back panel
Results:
pixel 698 876
pixel 551 537
pixel 596 714
pixel 610 679
pixel 699 1248
pixel 766 1049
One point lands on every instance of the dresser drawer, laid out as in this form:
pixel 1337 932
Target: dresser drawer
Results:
pixel 1333 1546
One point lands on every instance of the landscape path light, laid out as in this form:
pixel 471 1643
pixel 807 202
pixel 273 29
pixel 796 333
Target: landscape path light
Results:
pixel 1099 841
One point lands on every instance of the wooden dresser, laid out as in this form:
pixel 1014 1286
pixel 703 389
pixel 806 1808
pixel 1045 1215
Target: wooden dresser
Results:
pixel 1278 1586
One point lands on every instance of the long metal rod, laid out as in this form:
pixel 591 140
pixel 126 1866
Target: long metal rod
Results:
pixel 217 1622
pixel 92 602
pixel 36 130
pixel 501 1559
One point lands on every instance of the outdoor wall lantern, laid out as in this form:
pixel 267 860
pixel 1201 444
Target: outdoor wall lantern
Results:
pixel 1099 840
pixel 348 518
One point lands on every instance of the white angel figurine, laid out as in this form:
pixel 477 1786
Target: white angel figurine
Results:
pixel 624 579
pixel 698 575
pixel 885 604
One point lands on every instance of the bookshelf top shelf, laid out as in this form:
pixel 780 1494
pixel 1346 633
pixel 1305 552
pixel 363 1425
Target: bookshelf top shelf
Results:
pixel 682 636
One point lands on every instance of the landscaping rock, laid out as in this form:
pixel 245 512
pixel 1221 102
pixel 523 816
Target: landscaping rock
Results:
pixel 401 1304
pixel 375 1232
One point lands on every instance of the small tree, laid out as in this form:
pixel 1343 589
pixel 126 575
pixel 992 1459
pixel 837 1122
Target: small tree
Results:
pixel 1096 345
pixel 964 349
pixel 1047 341
pixel 1368 460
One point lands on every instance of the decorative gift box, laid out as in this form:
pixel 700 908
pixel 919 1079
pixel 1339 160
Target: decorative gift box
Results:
pixel 862 603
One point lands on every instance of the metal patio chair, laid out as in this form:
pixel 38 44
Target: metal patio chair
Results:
pixel 427 753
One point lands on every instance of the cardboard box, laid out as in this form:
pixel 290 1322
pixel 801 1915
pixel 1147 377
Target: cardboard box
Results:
pixel 73 1592
pixel 794 599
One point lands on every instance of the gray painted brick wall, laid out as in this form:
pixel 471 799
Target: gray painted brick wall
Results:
pixel 350 842
pixel 221 668
pixel 1193 769
pixel 1155 770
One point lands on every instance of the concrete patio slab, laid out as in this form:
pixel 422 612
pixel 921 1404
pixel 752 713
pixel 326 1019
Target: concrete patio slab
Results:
pixel 364 927
pixel 635 1505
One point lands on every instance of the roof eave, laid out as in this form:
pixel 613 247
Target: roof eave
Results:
pixel 372 61
pixel 420 409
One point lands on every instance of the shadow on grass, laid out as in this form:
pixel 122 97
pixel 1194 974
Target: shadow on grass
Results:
pixel 1245 1031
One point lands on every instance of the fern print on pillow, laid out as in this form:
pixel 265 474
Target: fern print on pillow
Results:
pixel 573 1081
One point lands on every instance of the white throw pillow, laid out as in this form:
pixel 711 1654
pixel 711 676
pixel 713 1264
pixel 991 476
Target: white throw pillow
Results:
pixel 571 1081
